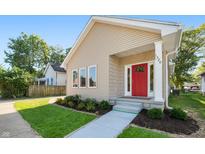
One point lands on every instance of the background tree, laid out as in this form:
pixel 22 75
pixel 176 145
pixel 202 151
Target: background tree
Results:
pixel 193 42
pixel 14 82
pixel 57 54
pixel 28 52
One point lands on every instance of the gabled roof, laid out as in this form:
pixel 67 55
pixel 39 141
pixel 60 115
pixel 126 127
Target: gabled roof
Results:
pixel 159 27
pixel 56 67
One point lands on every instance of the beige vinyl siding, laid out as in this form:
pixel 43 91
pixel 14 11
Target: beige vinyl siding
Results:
pixel 102 41
pixel 116 83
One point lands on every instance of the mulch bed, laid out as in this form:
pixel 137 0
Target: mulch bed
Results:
pixel 167 123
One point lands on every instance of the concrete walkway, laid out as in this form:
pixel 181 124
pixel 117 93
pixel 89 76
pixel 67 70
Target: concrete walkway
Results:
pixel 12 124
pixel 108 126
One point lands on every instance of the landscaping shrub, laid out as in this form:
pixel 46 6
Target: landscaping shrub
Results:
pixel 90 104
pixel 81 105
pixel 104 105
pixel 155 113
pixel 14 82
pixel 68 99
pixel 76 99
pixel 71 104
pixel 59 101
pixel 178 114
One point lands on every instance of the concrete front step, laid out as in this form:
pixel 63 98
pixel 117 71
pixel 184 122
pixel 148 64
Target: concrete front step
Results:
pixel 129 103
pixel 127 108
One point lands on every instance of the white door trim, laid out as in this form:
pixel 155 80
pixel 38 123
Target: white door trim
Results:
pixel 126 93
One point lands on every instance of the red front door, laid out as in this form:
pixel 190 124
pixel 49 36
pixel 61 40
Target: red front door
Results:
pixel 139 80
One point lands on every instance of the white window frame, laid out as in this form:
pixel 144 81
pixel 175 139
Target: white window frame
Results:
pixel 82 68
pixel 150 93
pixel 128 93
pixel 72 77
pixel 91 66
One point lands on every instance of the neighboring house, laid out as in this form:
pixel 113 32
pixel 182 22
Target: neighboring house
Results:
pixel 123 59
pixel 203 83
pixel 53 75
pixel 191 86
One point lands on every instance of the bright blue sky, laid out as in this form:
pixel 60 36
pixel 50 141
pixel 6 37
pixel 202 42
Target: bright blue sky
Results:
pixel 64 30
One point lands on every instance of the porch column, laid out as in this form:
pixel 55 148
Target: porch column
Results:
pixel 158 80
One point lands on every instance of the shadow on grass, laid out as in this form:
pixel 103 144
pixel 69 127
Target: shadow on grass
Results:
pixel 52 121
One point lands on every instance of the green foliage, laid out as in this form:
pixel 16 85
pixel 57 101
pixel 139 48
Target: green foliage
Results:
pixel 193 42
pixel 104 105
pixel 27 52
pixel 81 106
pixel 70 104
pixel 57 54
pixel 90 104
pixel 68 99
pixel 14 82
pixel 76 99
pixel 59 101
pixel 32 53
pixel 155 113
pixel 178 114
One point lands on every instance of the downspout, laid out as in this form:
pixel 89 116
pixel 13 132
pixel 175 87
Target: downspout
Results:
pixel 167 79
pixel 167 68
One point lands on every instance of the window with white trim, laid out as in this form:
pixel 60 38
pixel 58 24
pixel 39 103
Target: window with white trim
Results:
pixel 82 79
pixel 75 78
pixel 92 76
pixel 151 78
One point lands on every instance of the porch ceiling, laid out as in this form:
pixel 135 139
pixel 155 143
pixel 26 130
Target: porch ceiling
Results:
pixel 136 50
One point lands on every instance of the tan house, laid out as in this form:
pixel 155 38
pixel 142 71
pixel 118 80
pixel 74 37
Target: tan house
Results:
pixel 125 61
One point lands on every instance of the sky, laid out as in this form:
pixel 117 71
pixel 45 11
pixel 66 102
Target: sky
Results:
pixel 64 30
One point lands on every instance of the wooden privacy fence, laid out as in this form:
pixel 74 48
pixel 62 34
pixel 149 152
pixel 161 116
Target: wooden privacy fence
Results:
pixel 43 90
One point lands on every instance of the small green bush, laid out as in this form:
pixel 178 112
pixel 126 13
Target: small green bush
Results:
pixel 104 105
pixel 81 106
pixel 178 114
pixel 68 99
pixel 71 104
pixel 59 101
pixel 90 106
pixel 155 113
pixel 76 99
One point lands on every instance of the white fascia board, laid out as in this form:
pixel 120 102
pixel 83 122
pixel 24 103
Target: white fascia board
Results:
pixel 46 68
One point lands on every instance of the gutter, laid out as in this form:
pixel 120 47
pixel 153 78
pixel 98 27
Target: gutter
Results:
pixel 167 79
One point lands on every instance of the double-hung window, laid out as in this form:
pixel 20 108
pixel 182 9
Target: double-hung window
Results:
pixel 92 76
pixel 75 78
pixel 82 77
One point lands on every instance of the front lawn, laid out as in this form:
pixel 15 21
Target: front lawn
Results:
pixel 136 132
pixel 191 101
pixel 50 120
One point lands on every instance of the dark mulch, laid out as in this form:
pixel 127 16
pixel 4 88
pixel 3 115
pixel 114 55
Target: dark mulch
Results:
pixel 97 111
pixel 167 123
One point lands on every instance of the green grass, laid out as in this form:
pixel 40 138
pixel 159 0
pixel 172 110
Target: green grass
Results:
pixel 136 132
pixel 49 120
pixel 194 102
